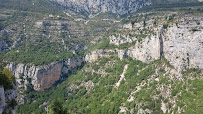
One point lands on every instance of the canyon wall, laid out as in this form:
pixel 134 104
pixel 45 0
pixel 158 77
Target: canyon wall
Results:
pixel 181 44
pixel 41 77
pixel 183 47
pixel 7 100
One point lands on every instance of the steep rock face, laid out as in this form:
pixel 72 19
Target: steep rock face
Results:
pixel 121 39
pixel 122 54
pixel 38 78
pixel 2 99
pixel 46 76
pixel 71 64
pixel 41 77
pixel 147 50
pixel 95 55
pixel 96 6
pixel 7 97
pixel 183 46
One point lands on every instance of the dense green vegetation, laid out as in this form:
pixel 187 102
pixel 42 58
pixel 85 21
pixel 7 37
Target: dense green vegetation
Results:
pixel 162 6
pixel 38 54
pixel 96 99
pixel 48 43
pixel 57 107
pixel 105 44
pixel 92 89
pixel 37 46
pixel 43 6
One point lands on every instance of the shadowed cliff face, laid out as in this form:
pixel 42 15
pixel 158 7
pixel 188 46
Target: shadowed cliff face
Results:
pixel 42 77
pixel 47 76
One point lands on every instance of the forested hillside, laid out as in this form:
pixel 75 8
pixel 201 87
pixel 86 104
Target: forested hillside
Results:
pixel 130 56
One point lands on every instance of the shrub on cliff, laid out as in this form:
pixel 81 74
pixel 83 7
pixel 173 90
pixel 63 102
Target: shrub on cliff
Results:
pixel 6 78
pixel 165 26
pixel 57 107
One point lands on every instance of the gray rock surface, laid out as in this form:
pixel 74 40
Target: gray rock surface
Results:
pixel 181 44
pixel 39 78
pixel 97 6
pixel 122 54
pixel 121 39
pixel 2 100
pixel 6 97
pixel 95 55
pixel 42 77
pixel 147 50
pixel 183 47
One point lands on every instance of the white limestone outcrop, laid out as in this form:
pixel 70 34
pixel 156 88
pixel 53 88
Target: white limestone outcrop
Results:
pixel 7 97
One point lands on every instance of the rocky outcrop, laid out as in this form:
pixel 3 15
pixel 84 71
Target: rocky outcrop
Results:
pixel 41 77
pixel 182 45
pixel 7 100
pixel 53 25
pixel 95 55
pixel 2 99
pixel 122 54
pixel 147 50
pixel 71 64
pixel 99 53
pixel 121 39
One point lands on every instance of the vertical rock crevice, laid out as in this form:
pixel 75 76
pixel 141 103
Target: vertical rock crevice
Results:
pixel 161 41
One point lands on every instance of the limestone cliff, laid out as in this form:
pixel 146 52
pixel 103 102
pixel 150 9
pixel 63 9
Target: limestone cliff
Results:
pixel 121 39
pixel 41 77
pixel 7 100
pixel 95 55
pixel 146 50
pixel 180 44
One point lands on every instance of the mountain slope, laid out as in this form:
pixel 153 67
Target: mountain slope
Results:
pixel 144 62
pixel 146 66
pixel 43 6
pixel 114 6
pixel 145 88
